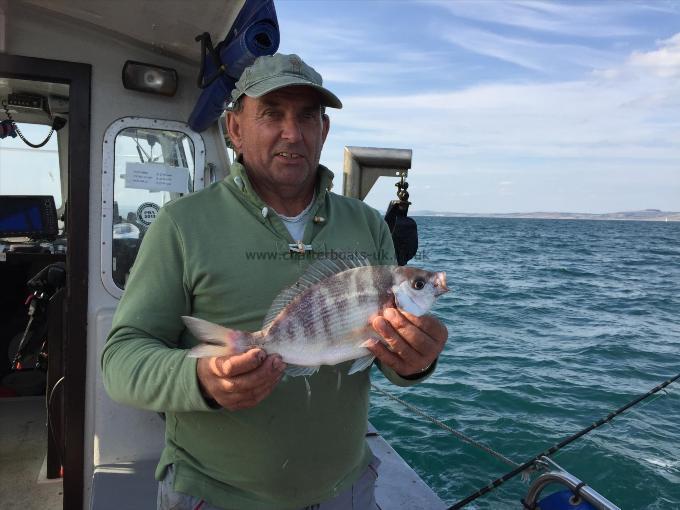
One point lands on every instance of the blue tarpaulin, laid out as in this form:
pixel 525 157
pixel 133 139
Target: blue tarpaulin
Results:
pixel 255 32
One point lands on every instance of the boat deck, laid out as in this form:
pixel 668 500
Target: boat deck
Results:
pixel 23 447
pixel 23 440
pixel 398 487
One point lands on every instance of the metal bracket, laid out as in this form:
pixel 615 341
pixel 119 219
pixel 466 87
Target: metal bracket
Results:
pixel 363 166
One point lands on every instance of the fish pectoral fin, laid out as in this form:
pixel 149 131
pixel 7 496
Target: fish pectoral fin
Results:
pixel 297 370
pixel 361 364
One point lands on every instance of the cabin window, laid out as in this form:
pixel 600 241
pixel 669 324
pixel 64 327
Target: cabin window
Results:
pixel 28 171
pixel 150 163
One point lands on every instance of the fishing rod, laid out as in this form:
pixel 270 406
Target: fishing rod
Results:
pixel 528 464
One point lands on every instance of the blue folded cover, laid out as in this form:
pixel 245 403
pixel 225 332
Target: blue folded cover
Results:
pixel 255 32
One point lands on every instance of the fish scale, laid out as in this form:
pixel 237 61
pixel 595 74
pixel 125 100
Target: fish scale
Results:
pixel 325 317
pixel 351 328
pixel 334 295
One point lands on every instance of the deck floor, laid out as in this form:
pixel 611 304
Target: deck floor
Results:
pixel 23 446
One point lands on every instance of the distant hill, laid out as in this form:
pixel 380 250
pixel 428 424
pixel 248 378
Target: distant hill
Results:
pixel 644 215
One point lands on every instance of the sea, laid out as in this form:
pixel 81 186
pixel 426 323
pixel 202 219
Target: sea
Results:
pixel 553 324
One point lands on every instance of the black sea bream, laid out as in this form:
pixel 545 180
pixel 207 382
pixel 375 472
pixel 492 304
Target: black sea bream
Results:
pixel 325 318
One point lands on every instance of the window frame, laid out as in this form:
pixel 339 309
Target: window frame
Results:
pixel 108 180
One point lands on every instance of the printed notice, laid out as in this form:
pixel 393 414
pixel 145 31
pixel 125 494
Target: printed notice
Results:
pixel 156 177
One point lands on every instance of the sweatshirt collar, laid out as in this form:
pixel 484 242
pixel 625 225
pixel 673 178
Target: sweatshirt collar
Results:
pixel 239 182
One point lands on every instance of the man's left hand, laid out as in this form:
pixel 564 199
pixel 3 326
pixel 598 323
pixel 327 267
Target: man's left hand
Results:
pixel 410 344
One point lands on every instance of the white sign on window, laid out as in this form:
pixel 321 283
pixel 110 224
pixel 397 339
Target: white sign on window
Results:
pixel 156 177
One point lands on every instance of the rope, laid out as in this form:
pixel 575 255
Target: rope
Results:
pixel 546 453
pixel 444 426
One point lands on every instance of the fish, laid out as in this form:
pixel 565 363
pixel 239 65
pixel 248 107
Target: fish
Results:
pixel 325 317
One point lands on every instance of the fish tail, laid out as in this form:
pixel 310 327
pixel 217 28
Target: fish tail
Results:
pixel 217 340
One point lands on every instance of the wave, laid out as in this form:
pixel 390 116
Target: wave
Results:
pixel 552 326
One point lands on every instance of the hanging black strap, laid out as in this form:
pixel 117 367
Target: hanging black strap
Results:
pixel 403 229
pixel 207 49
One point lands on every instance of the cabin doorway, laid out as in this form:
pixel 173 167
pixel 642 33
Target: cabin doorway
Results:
pixel 43 271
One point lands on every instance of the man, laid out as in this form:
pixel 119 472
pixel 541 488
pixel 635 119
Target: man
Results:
pixel 238 434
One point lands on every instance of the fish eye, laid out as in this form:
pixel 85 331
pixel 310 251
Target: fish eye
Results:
pixel 418 284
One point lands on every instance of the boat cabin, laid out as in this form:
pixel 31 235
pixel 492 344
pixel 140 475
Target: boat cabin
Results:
pixel 102 124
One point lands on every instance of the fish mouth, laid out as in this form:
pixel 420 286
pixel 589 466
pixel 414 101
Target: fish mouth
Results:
pixel 440 283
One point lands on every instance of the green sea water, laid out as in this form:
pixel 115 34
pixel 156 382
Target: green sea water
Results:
pixel 553 324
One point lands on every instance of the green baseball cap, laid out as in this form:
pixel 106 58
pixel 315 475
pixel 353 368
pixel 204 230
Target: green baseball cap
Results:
pixel 273 72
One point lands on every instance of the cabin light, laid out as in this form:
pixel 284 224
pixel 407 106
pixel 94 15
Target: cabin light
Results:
pixel 149 78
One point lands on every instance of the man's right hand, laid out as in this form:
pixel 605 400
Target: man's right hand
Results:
pixel 239 381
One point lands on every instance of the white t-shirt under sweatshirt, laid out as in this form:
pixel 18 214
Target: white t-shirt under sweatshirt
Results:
pixel 296 224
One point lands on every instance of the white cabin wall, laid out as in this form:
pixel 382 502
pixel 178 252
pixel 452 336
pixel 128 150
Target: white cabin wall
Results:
pixel 113 433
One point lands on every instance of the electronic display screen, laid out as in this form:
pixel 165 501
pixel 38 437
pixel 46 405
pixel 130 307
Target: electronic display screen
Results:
pixel 28 216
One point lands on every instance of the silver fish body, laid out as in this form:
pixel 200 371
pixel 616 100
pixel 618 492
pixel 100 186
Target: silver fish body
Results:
pixel 325 318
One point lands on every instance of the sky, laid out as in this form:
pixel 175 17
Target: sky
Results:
pixel 509 106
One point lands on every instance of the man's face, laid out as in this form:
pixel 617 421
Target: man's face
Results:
pixel 280 136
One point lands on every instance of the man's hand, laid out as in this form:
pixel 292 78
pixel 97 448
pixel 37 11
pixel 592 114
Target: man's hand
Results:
pixel 410 344
pixel 239 381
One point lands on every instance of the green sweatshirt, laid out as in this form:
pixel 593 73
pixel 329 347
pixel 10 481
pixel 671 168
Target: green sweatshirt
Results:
pixel 220 256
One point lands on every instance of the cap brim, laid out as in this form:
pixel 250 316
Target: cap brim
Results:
pixel 270 85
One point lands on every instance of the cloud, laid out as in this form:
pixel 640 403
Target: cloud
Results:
pixel 571 97
pixel 354 55
pixel 524 52
pixel 327 33
pixel 664 62
pixel 624 116
pixel 371 72
pixel 581 19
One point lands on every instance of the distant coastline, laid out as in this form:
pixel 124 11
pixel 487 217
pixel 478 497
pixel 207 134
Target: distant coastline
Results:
pixel 644 215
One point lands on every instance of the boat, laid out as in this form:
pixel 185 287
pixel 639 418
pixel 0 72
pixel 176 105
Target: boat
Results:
pixel 107 90
pixel 103 121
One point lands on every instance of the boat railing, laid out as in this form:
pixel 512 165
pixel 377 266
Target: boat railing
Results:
pixel 578 489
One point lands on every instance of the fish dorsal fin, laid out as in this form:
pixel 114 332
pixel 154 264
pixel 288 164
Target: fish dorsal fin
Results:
pixel 317 272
